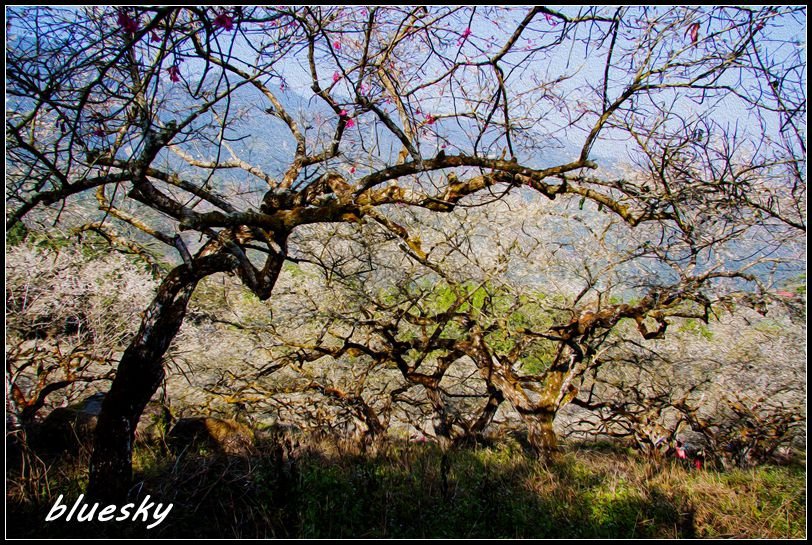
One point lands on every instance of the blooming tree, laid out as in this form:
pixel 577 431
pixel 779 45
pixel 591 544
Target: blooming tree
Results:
pixel 62 332
pixel 222 132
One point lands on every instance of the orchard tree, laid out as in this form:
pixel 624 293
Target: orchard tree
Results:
pixel 62 332
pixel 523 291
pixel 744 403
pixel 221 131
pixel 335 335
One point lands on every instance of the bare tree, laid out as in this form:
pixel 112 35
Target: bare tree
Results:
pixel 154 109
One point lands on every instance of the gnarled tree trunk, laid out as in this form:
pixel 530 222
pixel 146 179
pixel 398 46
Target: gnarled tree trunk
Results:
pixel 139 375
pixel 537 400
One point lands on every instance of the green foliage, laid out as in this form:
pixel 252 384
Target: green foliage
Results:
pixel 293 269
pixel 53 241
pixel 218 292
pixel 695 327
pixel 485 303
pixel 797 284
pixel 769 327
pixel 17 234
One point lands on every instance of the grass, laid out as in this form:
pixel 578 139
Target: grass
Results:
pixel 488 492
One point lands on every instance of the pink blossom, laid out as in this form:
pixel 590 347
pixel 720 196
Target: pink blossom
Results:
pixel 127 23
pixel 350 121
pixel 550 19
pixel 464 36
pixel 352 169
pixel 174 73
pixel 430 119
pixel 337 45
pixel 364 88
pixel 336 76
pixel 693 30
pixel 224 21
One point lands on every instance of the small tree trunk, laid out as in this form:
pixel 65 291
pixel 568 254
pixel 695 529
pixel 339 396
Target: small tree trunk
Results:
pixel 540 433
pixel 440 421
pixel 488 412
pixel 376 429
pixel 139 375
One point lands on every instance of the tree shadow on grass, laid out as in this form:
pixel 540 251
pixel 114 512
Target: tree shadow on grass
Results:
pixel 496 492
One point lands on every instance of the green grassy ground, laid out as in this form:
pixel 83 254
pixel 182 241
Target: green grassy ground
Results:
pixel 497 491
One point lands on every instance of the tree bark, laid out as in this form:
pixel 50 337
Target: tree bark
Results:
pixel 441 422
pixel 485 419
pixel 536 402
pixel 139 375
pixel 540 433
